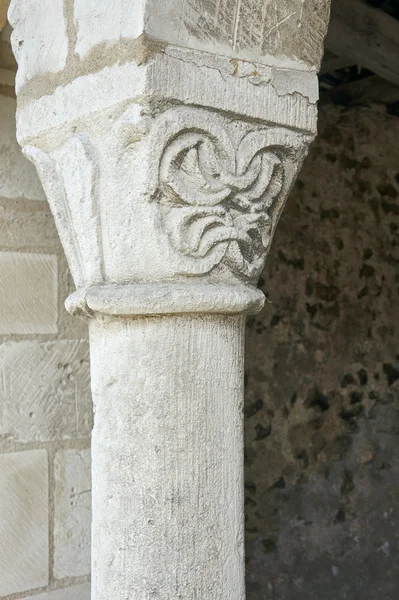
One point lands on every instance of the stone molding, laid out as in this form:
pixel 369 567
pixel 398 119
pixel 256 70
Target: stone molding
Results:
pixel 170 76
pixel 165 299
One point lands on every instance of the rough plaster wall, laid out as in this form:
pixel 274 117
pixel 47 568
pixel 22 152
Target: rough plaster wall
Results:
pixel 322 376
pixel 45 403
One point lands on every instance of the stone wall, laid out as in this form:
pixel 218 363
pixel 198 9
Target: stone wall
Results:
pixel 45 404
pixel 322 381
pixel 322 376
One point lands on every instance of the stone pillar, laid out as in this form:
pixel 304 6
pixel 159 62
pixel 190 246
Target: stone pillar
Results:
pixel 167 135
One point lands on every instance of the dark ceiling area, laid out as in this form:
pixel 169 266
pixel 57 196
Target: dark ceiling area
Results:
pixel 389 6
pixel 361 61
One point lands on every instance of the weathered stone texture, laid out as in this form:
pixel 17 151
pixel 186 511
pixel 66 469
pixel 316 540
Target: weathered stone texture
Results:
pixel 18 178
pixel 98 22
pixel 72 518
pixel 40 40
pixel 276 33
pixel 28 226
pixel 28 291
pixel 23 521
pixel 167 470
pixel 25 225
pixel 78 592
pixel 322 375
pixel 272 32
pixel 44 393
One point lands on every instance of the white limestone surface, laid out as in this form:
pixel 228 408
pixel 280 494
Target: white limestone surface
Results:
pixel 72 513
pixel 98 21
pixel 24 536
pixel 185 77
pixel 113 184
pixel 45 392
pixel 39 39
pixel 77 592
pixel 285 33
pixel 167 451
pixel 29 293
pixel 18 178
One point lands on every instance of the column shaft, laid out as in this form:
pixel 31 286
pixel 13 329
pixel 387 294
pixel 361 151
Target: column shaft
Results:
pixel 168 457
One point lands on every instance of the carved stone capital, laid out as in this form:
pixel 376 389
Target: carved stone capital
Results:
pixel 181 195
pixel 170 167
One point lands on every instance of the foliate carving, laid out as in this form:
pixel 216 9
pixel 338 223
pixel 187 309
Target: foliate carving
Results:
pixel 70 179
pixel 221 184
pixel 189 192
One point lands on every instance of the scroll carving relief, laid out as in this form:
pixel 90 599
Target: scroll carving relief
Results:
pixel 219 199
pixel 220 187
pixel 218 184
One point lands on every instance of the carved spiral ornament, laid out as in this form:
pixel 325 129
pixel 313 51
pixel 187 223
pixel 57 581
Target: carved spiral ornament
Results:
pixel 219 194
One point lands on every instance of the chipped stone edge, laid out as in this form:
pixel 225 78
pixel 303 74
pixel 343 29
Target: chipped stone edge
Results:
pixel 283 97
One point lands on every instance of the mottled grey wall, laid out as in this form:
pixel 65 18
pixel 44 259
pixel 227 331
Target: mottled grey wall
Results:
pixel 322 376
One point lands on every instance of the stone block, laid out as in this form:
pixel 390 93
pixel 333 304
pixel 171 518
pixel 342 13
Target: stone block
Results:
pixel 45 391
pixel 39 41
pixel 18 177
pixel 78 592
pixel 24 551
pixel 29 293
pixel 72 513
pixel 25 224
pixel 283 34
pixel 113 20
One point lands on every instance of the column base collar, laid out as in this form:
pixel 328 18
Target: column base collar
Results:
pixel 165 298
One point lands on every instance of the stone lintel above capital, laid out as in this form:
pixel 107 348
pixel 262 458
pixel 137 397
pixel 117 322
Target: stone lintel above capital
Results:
pixel 57 40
